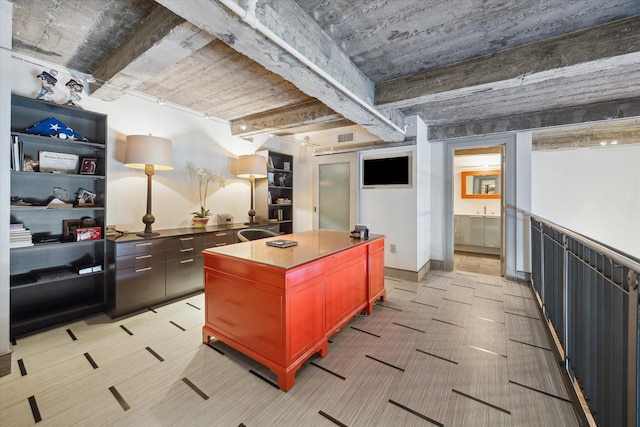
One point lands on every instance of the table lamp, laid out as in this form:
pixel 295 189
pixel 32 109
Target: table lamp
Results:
pixel 252 166
pixel 149 153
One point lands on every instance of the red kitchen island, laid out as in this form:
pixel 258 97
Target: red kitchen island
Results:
pixel 279 306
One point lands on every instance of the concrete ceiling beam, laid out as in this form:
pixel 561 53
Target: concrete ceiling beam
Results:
pixel 160 41
pixel 597 112
pixel 278 35
pixel 528 64
pixel 310 115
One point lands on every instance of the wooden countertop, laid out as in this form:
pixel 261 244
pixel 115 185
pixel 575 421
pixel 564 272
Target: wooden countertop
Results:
pixel 311 245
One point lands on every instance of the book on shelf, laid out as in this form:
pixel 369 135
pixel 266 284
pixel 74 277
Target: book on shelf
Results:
pixel 17 154
pixel 86 264
pixel 23 279
pixel 20 244
pixel 55 273
pixel 20 237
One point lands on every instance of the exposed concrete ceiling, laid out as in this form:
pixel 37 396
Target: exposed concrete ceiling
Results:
pixel 300 67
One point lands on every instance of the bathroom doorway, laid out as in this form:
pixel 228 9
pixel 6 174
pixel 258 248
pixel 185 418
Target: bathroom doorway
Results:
pixel 478 185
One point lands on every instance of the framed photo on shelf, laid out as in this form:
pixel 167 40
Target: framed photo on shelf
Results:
pixel 69 227
pixel 88 166
pixel 270 162
pixel 86 198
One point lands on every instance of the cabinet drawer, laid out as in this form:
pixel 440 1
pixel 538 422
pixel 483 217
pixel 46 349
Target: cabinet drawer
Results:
pixel 139 287
pixel 141 247
pixel 139 261
pixel 184 247
pixel 184 276
pixel 220 238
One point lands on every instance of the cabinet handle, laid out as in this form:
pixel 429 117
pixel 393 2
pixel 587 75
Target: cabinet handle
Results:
pixel 144 244
pixel 186 261
pixel 186 250
pixel 143 256
pixel 184 239
pixel 221 234
pixel 140 270
pixel 220 244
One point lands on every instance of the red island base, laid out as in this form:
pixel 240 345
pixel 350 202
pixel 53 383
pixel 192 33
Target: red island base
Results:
pixel 279 306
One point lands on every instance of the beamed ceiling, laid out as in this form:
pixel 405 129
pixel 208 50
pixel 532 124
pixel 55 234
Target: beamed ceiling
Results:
pixel 324 67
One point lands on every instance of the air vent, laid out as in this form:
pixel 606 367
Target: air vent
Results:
pixel 345 137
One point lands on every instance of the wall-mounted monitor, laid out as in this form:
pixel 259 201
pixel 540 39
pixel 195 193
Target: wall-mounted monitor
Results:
pixel 392 170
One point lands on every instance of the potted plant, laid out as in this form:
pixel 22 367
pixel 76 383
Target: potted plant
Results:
pixel 201 217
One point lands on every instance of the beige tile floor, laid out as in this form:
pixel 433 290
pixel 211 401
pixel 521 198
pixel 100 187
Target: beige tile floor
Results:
pixel 477 263
pixel 456 349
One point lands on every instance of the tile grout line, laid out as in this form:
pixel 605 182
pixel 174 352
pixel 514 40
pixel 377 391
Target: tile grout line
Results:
pixel 416 413
pixel 333 420
pixel 34 409
pixel 491 405
pixel 119 398
pixel 541 391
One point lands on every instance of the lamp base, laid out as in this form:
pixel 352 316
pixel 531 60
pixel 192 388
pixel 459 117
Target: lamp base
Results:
pixel 149 234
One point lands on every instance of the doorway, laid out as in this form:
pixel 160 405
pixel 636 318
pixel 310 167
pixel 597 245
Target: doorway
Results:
pixel 477 209
pixel 509 216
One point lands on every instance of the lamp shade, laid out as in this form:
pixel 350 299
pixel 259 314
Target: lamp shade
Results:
pixel 252 165
pixel 141 150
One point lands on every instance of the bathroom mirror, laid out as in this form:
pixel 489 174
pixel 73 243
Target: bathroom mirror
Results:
pixel 482 184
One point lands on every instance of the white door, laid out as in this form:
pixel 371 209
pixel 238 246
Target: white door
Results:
pixel 333 196
pixel 335 184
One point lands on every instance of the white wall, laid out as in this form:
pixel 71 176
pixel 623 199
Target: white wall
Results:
pixel 196 141
pixel 423 179
pixel 5 177
pixel 393 212
pixel 593 191
pixel 438 198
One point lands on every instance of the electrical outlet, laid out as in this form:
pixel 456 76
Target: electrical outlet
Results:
pixel 392 249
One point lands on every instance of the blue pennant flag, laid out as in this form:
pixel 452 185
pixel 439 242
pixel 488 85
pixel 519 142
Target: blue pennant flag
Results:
pixel 56 129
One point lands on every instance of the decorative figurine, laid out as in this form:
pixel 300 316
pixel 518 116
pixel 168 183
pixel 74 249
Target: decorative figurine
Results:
pixel 75 89
pixel 47 82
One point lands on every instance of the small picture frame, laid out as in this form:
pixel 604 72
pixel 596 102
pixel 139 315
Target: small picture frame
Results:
pixel 88 166
pixel 69 227
pixel 85 198
pixel 270 162
pixel 287 166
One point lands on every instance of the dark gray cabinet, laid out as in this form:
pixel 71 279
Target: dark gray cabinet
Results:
pixel 147 272
pixel 46 288
pixel 184 265
pixel 139 271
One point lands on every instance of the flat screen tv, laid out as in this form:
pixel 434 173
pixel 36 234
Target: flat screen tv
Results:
pixel 386 171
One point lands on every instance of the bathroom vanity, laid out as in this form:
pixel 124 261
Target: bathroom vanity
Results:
pixel 477 233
